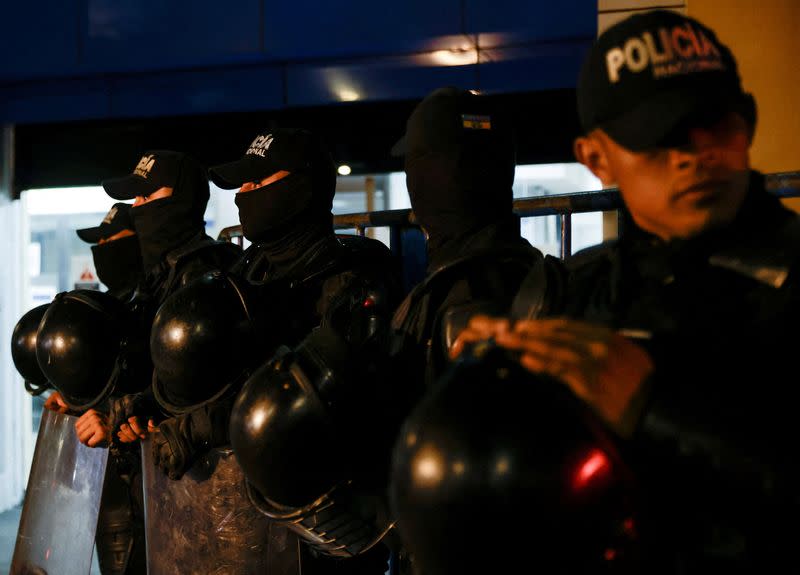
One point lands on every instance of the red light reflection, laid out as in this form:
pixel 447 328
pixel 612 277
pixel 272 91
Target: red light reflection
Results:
pixel 594 466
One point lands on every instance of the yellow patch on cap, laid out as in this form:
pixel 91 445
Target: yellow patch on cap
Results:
pixel 471 122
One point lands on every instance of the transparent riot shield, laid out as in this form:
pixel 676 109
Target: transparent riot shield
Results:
pixel 205 524
pixel 59 516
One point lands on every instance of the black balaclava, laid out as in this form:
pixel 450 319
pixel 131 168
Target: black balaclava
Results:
pixel 164 224
pixel 287 217
pixel 118 263
pixel 459 163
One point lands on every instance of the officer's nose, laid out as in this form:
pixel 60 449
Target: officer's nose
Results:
pixel 704 148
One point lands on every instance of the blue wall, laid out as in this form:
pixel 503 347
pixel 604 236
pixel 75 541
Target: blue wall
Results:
pixel 98 59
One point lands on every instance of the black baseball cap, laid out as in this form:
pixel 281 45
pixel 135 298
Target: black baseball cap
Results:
pixel 653 72
pixel 157 169
pixel 449 118
pixel 117 219
pixel 289 149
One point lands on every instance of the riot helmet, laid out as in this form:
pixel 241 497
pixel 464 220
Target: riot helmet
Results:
pixel 495 457
pixel 23 350
pixel 201 342
pixel 283 422
pixel 78 343
pixel 293 431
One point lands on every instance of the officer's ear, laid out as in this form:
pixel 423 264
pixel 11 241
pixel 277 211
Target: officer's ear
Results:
pixel 590 152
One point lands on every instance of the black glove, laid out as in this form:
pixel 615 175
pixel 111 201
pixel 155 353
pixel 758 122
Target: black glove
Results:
pixel 143 405
pixel 184 438
pixel 173 452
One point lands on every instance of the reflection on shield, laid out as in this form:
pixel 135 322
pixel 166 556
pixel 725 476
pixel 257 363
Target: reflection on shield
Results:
pixel 204 523
pixel 59 516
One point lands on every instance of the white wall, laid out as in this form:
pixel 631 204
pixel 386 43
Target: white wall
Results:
pixel 16 441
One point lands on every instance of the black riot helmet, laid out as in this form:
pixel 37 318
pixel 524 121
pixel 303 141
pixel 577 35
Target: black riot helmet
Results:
pixel 497 458
pixel 200 342
pixel 284 425
pixel 77 345
pixel 23 350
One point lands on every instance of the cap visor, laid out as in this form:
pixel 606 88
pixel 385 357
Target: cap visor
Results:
pixel 233 174
pixel 663 120
pixel 400 147
pixel 129 187
pixel 89 235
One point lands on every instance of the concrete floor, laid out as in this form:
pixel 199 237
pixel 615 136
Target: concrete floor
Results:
pixel 9 522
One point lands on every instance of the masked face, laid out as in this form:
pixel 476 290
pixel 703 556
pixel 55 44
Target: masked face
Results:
pixel 455 192
pixel 118 262
pixel 263 210
pixel 163 225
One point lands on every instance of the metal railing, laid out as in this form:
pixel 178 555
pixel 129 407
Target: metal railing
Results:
pixel 782 184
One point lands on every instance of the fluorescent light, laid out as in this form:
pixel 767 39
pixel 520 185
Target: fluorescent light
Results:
pixel 82 200
pixel 348 95
pixel 455 57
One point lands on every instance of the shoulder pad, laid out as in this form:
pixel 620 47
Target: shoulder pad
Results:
pixel 592 255
pixel 526 257
pixel 363 247
pixel 456 319
pixel 769 259
pixel 223 249
pixel 542 291
pixel 523 257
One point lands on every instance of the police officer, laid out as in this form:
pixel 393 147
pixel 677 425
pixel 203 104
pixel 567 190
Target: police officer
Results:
pixel 459 161
pixel 118 263
pixel 116 252
pixel 119 267
pixel 680 334
pixel 312 290
pixel 170 191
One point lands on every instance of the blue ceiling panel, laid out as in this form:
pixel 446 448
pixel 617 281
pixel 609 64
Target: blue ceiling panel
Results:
pixel 55 101
pixel 531 68
pixel 505 22
pixel 187 93
pixel 39 38
pixel 116 58
pixel 310 29
pixel 394 78
pixel 139 35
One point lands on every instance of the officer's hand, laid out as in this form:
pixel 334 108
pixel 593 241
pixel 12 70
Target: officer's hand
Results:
pixel 121 409
pixel 56 403
pixel 93 429
pixel 170 450
pixel 480 328
pixel 600 366
pixel 131 431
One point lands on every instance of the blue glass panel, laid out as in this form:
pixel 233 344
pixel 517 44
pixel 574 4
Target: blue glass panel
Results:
pixel 125 35
pixel 384 79
pixel 504 22
pixel 39 38
pixel 303 29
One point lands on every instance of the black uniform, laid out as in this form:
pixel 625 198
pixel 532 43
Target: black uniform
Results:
pixel 715 450
pixel 460 163
pixel 175 251
pixel 296 278
pixel 345 287
pixel 118 263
